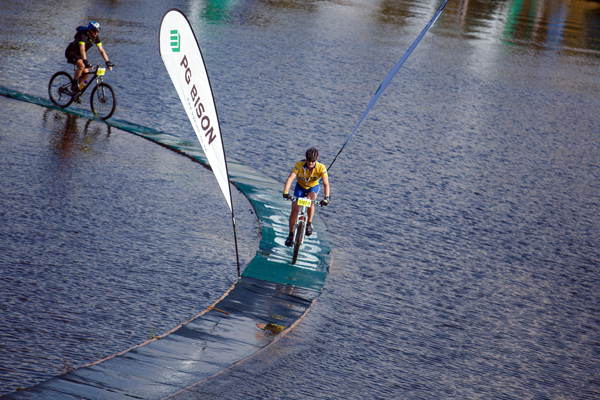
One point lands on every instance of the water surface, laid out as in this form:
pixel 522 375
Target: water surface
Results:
pixel 464 213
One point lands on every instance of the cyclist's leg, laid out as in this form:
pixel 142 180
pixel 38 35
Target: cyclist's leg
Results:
pixel 84 76
pixel 298 192
pixel 74 58
pixel 292 223
pixel 312 194
pixel 79 74
pixel 293 216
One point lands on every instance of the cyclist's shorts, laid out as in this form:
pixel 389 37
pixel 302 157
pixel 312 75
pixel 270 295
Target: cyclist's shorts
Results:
pixel 72 57
pixel 299 191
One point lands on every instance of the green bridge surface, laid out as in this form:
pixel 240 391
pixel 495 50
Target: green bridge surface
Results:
pixel 269 298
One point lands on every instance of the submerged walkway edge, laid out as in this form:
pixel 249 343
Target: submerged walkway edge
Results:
pixel 265 303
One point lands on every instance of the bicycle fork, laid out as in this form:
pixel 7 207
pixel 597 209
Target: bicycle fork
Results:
pixel 301 217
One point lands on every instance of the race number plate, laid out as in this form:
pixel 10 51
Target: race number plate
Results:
pixel 304 202
pixel 101 71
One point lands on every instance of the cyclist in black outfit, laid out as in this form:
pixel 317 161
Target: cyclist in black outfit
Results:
pixel 85 38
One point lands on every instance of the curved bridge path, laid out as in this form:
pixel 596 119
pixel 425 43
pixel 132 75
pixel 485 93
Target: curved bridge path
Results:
pixel 266 302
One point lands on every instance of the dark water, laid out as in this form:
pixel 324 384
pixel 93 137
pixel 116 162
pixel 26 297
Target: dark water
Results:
pixel 465 214
pixel 107 239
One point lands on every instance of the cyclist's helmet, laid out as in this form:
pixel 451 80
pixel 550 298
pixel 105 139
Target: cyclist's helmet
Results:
pixel 312 154
pixel 94 26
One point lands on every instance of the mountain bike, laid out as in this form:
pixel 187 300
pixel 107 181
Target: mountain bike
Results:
pixel 102 100
pixel 300 226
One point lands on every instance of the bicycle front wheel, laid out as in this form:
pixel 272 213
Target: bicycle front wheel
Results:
pixel 103 101
pixel 59 89
pixel 299 237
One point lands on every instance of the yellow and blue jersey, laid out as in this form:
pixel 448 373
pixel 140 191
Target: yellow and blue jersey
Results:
pixel 307 178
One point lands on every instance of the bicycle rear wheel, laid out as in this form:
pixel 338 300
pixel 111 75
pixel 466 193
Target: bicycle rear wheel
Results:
pixel 299 237
pixel 59 89
pixel 103 101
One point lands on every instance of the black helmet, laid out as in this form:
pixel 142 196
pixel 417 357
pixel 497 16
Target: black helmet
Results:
pixel 312 154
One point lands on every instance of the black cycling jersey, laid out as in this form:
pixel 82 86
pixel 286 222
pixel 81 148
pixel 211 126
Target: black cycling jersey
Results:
pixel 80 37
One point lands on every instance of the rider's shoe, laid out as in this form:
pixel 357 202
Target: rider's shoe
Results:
pixel 75 88
pixel 288 241
pixel 309 229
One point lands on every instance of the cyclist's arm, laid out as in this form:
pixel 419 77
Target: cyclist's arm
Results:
pixel 325 181
pixel 103 53
pixel 289 181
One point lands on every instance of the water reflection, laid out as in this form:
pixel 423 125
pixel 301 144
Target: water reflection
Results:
pixel 394 12
pixel 69 143
pixel 249 12
pixel 548 24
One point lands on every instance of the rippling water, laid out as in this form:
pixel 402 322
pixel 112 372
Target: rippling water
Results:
pixel 465 212
pixel 107 239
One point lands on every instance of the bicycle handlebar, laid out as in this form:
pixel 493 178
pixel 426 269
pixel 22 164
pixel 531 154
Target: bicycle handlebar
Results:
pixel 292 198
pixel 94 68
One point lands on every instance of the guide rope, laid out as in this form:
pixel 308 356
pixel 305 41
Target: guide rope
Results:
pixel 391 75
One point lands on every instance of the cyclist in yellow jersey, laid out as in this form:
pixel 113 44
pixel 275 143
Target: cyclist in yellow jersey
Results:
pixel 309 174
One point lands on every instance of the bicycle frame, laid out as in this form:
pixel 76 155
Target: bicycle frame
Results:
pixel 304 203
pixel 103 101
pixel 97 76
pixel 300 225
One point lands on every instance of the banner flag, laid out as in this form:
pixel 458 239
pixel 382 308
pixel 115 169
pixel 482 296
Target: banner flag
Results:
pixel 181 54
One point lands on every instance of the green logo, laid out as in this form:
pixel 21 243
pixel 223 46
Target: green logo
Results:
pixel 175 41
